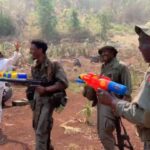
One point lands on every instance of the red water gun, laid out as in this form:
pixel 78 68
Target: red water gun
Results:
pixel 103 82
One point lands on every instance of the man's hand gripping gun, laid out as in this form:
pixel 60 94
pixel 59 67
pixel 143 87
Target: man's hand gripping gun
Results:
pixel 102 82
pixel 105 83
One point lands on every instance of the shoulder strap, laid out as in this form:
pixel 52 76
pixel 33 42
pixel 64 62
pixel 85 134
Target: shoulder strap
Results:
pixel 52 69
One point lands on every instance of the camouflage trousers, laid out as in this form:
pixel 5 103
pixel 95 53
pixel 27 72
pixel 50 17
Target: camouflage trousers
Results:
pixel 147 145
pixel 42 124
pixel 106 126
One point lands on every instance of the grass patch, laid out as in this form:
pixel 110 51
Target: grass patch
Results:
pixel 75 87
pixel 121 29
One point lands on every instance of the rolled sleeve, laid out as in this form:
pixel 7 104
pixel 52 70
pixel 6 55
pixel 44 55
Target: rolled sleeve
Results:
pixel 60 75
pixel 131 111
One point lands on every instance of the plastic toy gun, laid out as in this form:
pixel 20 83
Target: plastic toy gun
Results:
pixel 105 83
pixel 102 82
pixel 21 78
pixel 13 75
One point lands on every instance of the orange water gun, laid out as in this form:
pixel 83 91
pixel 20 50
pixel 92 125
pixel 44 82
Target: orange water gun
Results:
pixel 103 82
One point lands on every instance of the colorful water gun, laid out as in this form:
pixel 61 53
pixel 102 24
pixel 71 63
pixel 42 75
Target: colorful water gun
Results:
pixel 13 75
pixel 21 78
pixel 103 82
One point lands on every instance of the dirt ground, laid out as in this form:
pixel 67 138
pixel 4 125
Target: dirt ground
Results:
pixel 70 132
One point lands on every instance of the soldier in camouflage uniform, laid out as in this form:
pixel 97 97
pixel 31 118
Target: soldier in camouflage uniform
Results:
pixel 119 73
pixel 137 111
pixel 43 104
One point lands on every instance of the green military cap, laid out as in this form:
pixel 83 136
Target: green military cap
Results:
pixel 110 48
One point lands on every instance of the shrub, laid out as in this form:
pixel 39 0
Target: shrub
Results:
pixel 6 25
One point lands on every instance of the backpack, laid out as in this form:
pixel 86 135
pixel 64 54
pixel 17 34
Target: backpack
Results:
pixel 59 98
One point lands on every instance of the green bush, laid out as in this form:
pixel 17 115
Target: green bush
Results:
pixel 120 28
pixel 91 22
pixel 73 20
pixel 6 25
pixel 47 19
pixel 104 20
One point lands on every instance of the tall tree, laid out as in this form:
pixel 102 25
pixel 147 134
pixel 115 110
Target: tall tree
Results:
pixel 47 17
pixel 104 20
pixel 73 20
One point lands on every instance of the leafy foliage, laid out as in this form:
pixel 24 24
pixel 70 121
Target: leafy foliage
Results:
pixel 73 20
pixel 47 18
pixel 104 20
pixel 6 25
pixel 66 17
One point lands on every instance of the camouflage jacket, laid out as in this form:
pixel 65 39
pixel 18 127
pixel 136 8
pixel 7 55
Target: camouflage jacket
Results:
pixel 51 71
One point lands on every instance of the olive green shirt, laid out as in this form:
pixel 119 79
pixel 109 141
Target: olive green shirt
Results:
pixel 119 73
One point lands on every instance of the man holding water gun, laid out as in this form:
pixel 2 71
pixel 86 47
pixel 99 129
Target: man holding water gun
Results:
pixel 137 111
pixel 45 97
pixel 5 89
pixel 119 73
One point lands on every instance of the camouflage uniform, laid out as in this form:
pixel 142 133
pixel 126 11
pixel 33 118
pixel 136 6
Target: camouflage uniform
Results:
pixel 43 105
pixel 119 73
pixel 138 111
